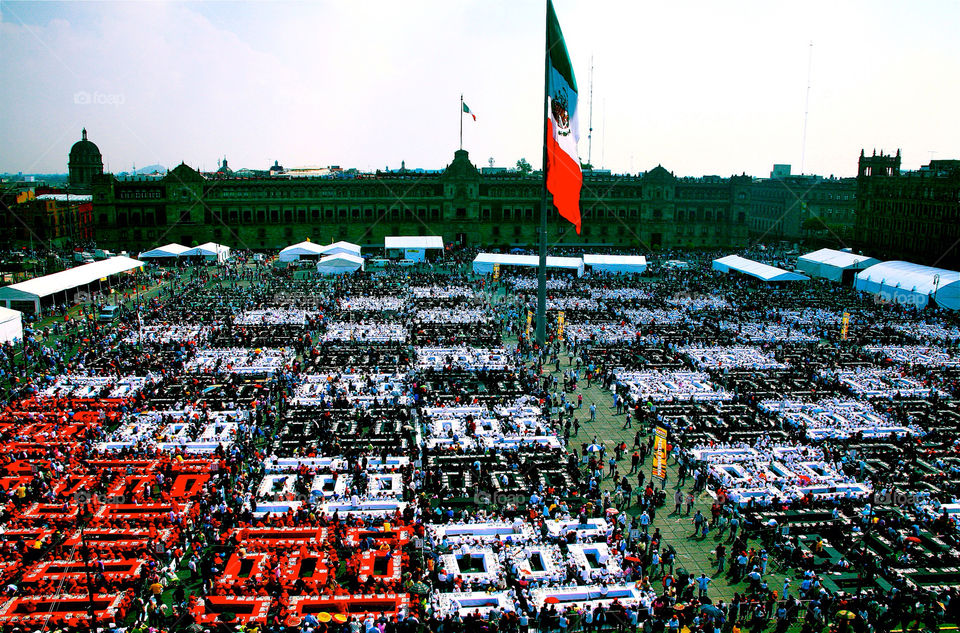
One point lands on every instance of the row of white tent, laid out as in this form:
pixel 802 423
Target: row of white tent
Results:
pixel 911 284
pixel 757 270
pixel 893 281
pixel 68 282
pixel 309 250
pixel 344 257
pixel 210 251
pixel 412 247
pixel 485 263
pixel 332 259
pixel 834 265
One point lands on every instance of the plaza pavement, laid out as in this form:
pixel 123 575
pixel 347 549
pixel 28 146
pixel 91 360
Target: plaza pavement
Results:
pixel 693 554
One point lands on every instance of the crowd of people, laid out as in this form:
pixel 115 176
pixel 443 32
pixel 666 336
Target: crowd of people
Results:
pixel 394 451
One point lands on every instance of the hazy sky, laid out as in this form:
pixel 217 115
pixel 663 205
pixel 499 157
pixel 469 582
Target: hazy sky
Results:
pixel 700 87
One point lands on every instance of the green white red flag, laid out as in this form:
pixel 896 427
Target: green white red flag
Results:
pixel 564 178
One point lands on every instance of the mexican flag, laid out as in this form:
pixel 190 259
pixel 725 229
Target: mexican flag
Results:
pixel 466 110
pixel 564 177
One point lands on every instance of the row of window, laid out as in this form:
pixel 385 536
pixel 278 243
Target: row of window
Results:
pixel 158 216
pixel 322 192
pixel 260 216
pixel 138 194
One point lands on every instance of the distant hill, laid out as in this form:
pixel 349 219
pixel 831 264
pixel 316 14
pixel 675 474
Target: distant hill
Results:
pixel 151 169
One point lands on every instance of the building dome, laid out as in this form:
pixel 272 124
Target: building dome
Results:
pixel 85 162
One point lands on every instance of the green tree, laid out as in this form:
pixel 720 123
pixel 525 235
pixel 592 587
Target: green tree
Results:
pixel 524 167
pixel 814 224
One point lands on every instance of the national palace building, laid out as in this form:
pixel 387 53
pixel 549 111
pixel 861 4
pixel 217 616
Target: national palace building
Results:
pixel 651 211
pixel 884 212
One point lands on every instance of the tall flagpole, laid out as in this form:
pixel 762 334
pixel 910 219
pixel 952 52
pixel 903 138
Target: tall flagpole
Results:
pixel 461 120
pixel 542 268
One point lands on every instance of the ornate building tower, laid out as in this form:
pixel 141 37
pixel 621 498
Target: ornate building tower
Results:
pixel 85 163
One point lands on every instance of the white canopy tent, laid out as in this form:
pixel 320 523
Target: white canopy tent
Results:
pixel 341 247
pixel 413 247
pixel 168 251
pixel 303 250
pixel 912 284
pixel 65 281
pixel 616 264
pixel 11 326
pixel 209 251
pixel 834 265
pixel 484 262
pixel 339 264
pixel 763 272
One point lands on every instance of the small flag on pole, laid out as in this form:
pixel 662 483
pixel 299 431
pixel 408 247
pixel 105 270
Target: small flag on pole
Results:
pixel 466 110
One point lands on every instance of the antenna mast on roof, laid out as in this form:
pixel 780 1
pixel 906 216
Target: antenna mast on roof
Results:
pixel 603 135
pixel 806 111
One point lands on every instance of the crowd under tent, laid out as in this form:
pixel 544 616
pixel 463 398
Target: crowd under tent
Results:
pixel 834 265
pixel 484 262
pixel 166 252
pixel 416 248
pixel 339 264
pixel 66 284
pixel 616 264
pixel 763 272
pixel 11 326
pixel 911 284
pixel 303 250
pixel 210 252
pixel 345 248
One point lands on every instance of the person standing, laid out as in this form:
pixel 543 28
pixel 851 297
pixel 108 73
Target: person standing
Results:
pixel 702 584
pixel 721 553
pixel 698 521
pixel 644 521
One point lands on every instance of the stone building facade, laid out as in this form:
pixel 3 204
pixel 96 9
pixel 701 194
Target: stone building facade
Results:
pixel 60 219
pixel 652 211
pixel 781 208
pixel 913 216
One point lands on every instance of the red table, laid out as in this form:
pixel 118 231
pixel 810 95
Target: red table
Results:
pixel 247 609
pixel 396 536
pixel 366 565
pixel 360 606
pixel 59 570
pixel 272 537
pixel 239 568
pixel 125 541
pixel 35 611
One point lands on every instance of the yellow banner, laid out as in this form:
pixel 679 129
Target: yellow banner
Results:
pixel 529 321
pixel 660 454
pixel 560 323
pixel 846 325
pixel 496 272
